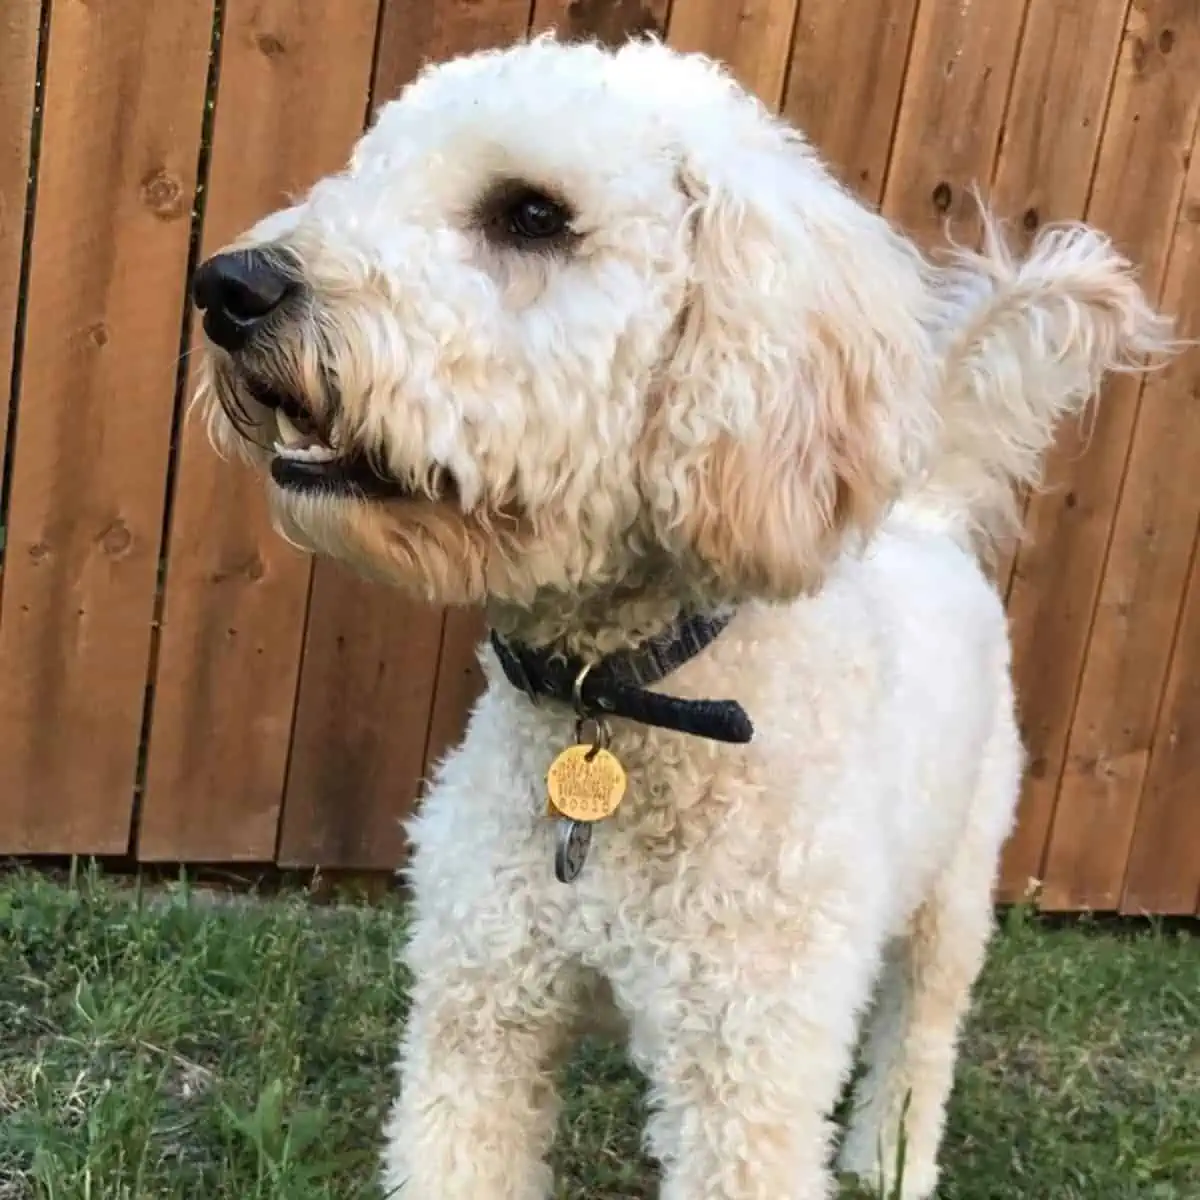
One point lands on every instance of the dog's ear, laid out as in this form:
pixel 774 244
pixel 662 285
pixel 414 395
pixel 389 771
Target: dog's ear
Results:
pixel 799 393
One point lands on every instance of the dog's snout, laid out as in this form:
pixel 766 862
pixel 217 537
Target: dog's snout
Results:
pixel 236 292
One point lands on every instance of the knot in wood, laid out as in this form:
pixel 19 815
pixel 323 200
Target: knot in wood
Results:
pixel 116 539
pixel 162 194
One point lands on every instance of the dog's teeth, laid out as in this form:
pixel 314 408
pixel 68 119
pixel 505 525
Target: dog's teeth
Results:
pixel 297 446
pixel 313 453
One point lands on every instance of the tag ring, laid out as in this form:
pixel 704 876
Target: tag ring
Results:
pixel 577 691
pixel 602 734
pixel 583 717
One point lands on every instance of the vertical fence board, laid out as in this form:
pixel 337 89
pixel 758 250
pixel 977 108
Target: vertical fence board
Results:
pixel 1058 569
pixel 18 82
pixel 1164 863
pixel 1051 137
pixel 960 65
pixel 293 89
pixel 609 21
pixel 753 38
pixel 358 754
pixel 124 101
pixel 845 80
pixel 371 656
pixel 1130 648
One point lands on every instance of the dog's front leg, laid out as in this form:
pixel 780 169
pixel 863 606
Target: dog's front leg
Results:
pixel 477 1106
pixel 493 1000
pixel 746 1054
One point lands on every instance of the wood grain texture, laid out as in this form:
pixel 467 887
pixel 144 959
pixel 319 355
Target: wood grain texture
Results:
pixel 371 657
pixel 1129 651
pixel 18 80
pixel 358 754
pixel 1164 863
pixel 753 37
pixel 293 90
pixel 124 101
pixel 960 66
pixel 1056 581
pixel 845 80
pixel 415 32
pixel 609 21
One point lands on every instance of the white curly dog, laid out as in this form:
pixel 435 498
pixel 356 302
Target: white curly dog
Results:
pixel 592 339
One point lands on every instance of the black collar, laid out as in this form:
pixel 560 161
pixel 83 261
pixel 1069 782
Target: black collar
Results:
pixel 617 684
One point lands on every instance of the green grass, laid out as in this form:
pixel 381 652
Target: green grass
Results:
pixel 187 1049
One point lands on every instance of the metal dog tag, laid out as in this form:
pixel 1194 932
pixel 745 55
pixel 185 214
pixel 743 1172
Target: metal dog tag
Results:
pixel 573 840
pixel 586 783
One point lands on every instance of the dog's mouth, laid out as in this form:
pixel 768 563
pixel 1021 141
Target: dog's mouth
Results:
pixel 307 459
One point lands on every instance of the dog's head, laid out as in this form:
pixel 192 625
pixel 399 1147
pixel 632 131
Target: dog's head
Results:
pixel 571 319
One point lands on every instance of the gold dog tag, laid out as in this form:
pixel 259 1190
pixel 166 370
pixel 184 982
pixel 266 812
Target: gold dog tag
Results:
pixel 586 783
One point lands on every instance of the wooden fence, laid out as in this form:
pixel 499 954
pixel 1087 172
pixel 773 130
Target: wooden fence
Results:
pixel 176 684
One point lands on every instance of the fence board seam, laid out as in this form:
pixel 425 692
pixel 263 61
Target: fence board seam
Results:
pixel 1164 691
pixel 791 58
pixel 1002 131
pixel 295 712
pixel 369 110
pixel 438 684
pixel 670 9
pixel 1108 101
pixel 1094 605
pixel 28 217
pixel 886 177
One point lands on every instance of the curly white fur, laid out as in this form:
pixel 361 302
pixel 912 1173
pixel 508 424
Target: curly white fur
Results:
pixel 737 386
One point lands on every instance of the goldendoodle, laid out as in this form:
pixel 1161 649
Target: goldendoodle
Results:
pixel 591 338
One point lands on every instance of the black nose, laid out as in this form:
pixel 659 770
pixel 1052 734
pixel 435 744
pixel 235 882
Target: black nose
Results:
pixel 237 292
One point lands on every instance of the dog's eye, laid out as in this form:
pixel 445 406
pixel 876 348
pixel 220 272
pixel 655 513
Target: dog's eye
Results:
pixel 515 215
pixel 535 217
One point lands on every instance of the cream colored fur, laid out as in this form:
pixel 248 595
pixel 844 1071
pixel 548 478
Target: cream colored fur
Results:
pixel 738 387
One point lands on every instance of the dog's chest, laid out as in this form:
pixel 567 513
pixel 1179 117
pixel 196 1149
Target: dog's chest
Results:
pixel 681 831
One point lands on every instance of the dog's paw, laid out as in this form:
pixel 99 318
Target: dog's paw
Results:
pixel 870 1182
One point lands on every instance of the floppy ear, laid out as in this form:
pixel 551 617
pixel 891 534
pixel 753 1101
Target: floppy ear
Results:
pixel 801 391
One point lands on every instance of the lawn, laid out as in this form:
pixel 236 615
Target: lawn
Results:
pixel 175 1047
